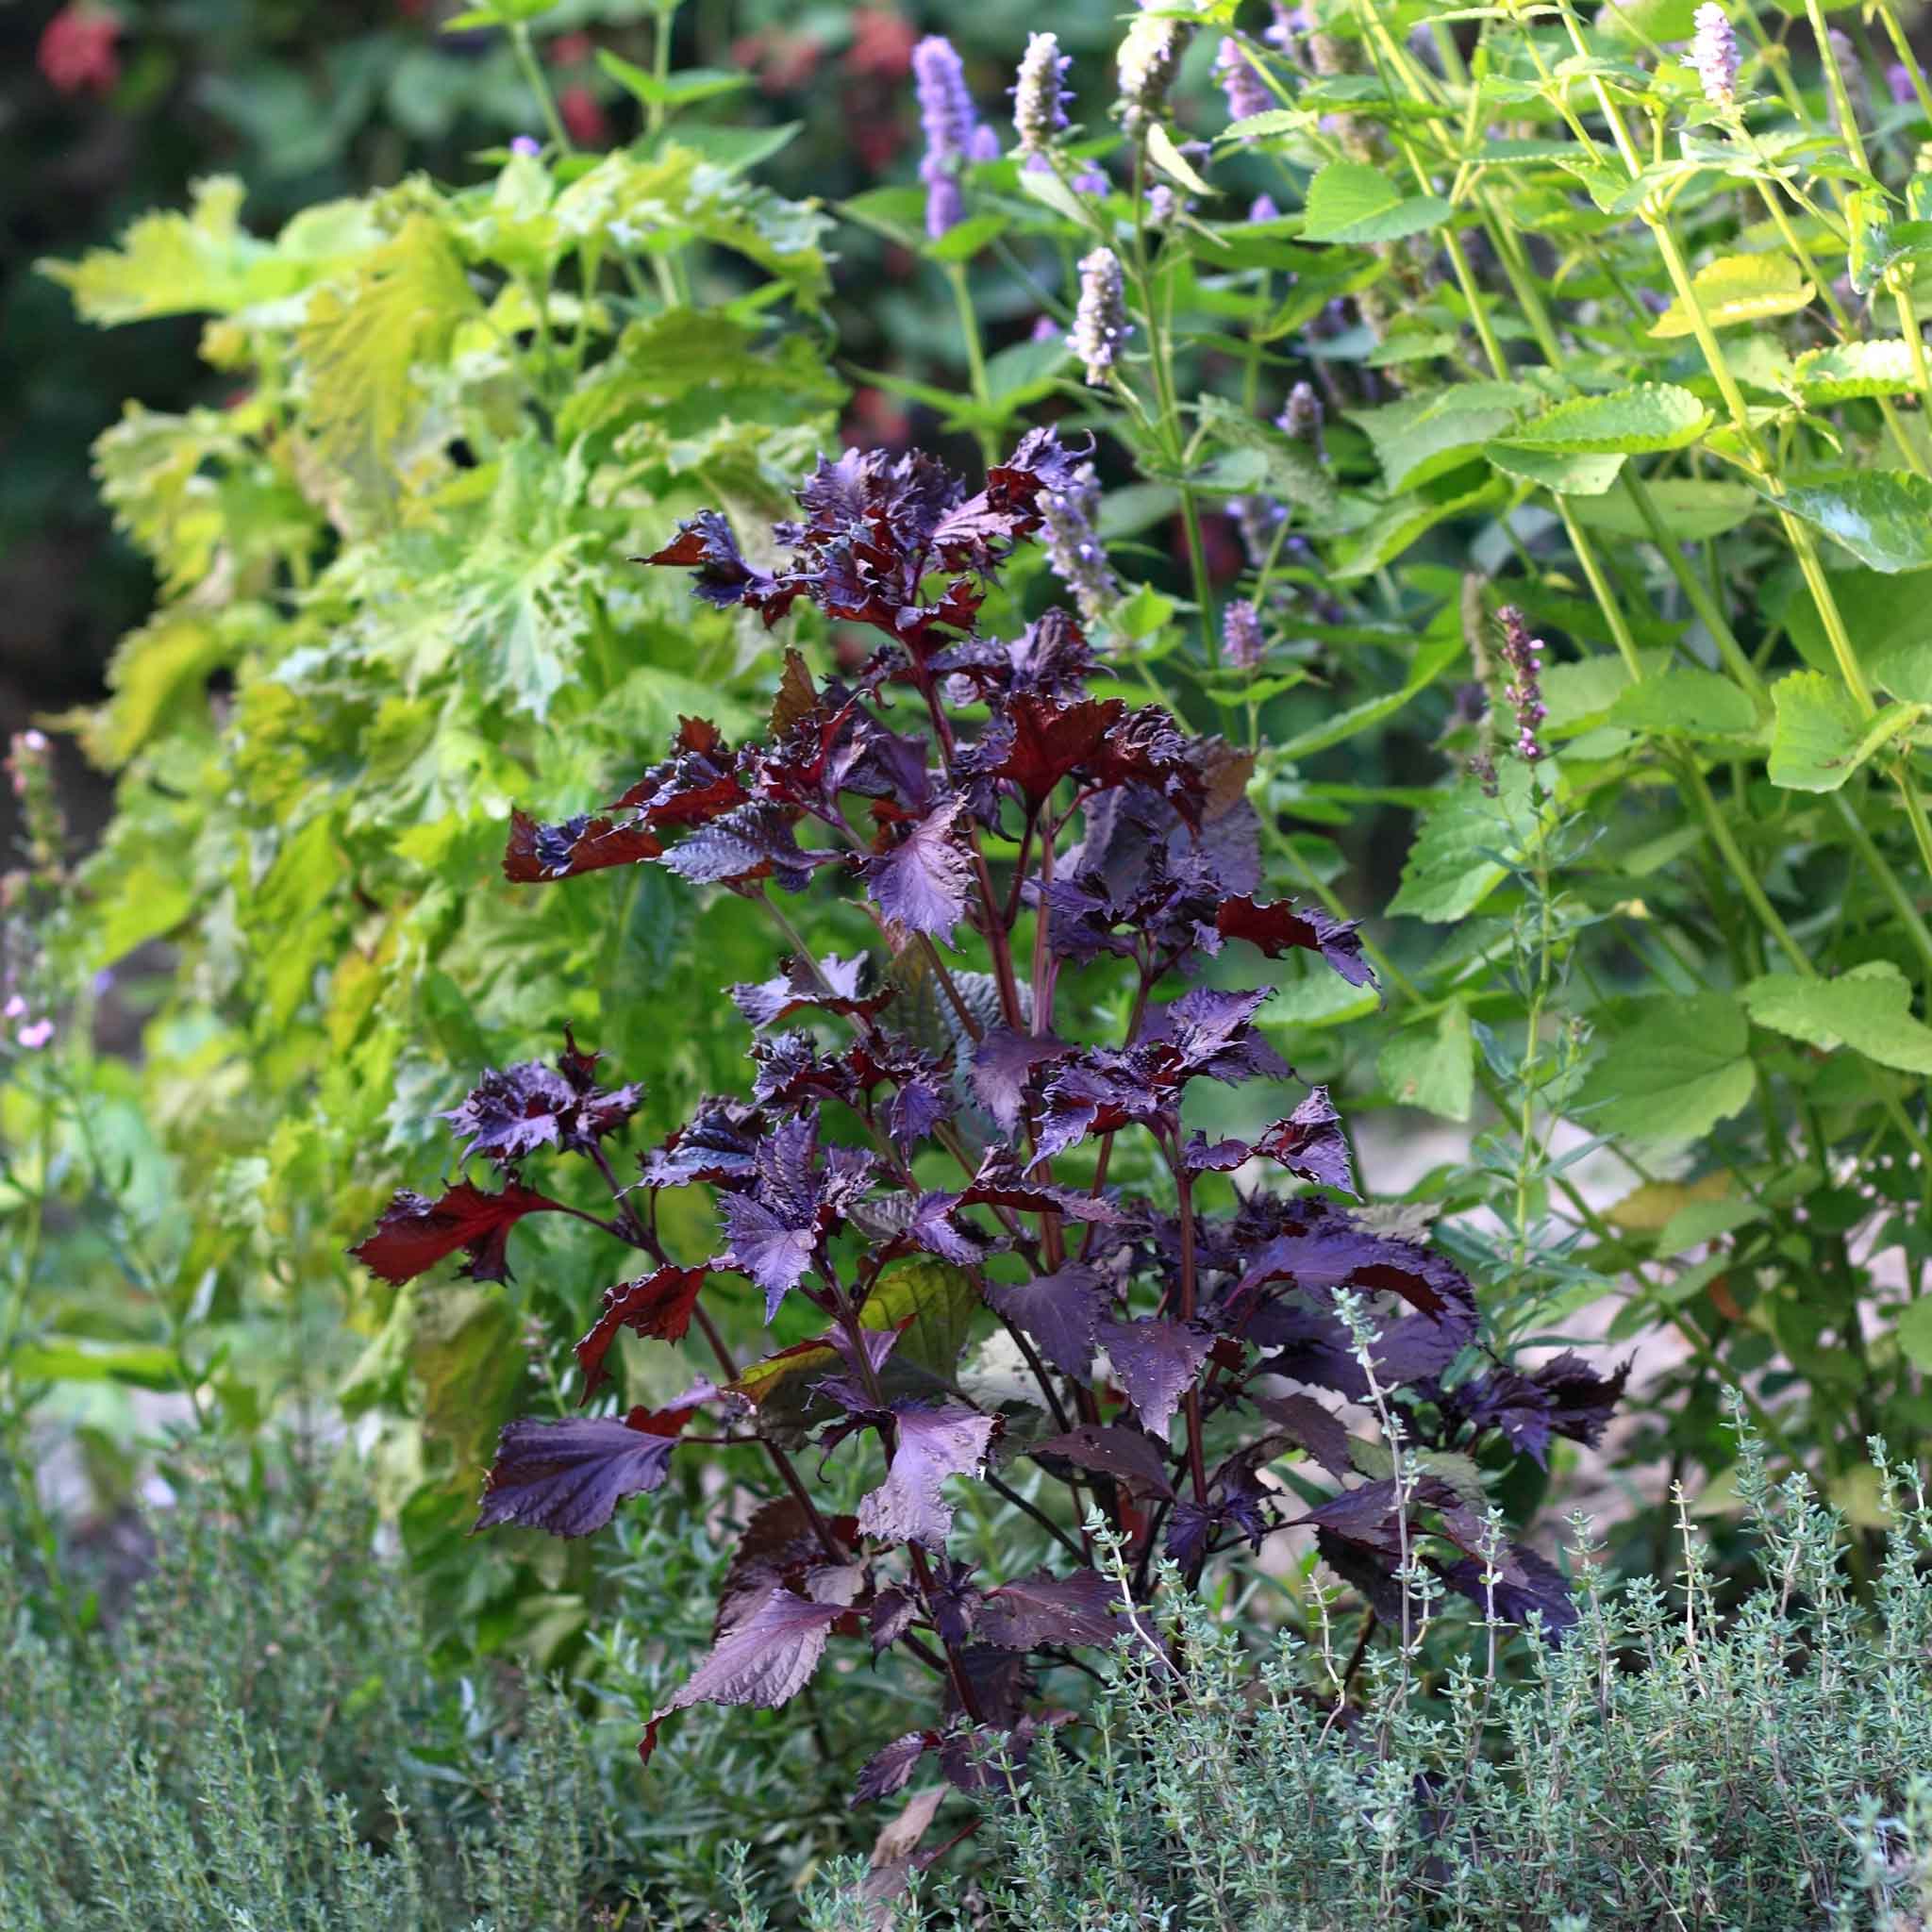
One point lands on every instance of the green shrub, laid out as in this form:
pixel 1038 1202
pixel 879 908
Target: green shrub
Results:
pixel 1663 1767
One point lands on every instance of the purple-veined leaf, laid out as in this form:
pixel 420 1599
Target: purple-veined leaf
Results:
pixel 719 1145
pixel 1309 1142
pixel 1282 926
pixel 1045 1608
pixel 1061 1311
pixel 931 1444
pixel 1155 1361
pixel 1110 1449
pixel 890 1769
pixel 831 985
pixel 1222 1157
pixel 568 1476
pixel 922 883
pixel 659 1306
pixel 1002 1062
pixel 1000 1184
pixel 511 1113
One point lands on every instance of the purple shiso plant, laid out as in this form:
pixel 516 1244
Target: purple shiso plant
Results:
pixel 924 1151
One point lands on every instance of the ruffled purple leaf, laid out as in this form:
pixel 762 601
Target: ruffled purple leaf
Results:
pixel 1059 1311
pixel 568 1476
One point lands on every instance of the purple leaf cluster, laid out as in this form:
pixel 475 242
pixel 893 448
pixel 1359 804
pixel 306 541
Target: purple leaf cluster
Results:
pixel 921 1155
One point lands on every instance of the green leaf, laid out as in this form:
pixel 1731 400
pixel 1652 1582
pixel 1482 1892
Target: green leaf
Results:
pixel 1650 23
pixel 1739 288
pixel 1432 657
pixel 675 90
pixel 1914 1331
pixel 965 239
pixel 1170 161
pixel 362 345
pixel 1696 703
pixel 1453 867
pixel 1351 202
pixel 1044 184
pixel 1649 416
pixel 464 1354
pixel 171 264
pixel 1848 372
pixel 1567 476
pixel 1427 435
pixel 1883 517
pixel 1433 1067
pixel 1820 738
pixel 1269 121
pixel 1869 1009
pixel 1680 1066
pixel 1698 1222
pixel 1690 508
pixel 1398 525
pixel 74 1358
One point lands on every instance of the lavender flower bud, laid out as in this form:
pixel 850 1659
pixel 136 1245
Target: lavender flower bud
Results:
pixel 30 766
pixel 1256 518
pixel 1150 57
pixel 947 115
pixel 1301 417
pixel 1045 330
pixel 1898 83
pixel 1523 655
pixel 1100 320
pixel 1262 209
pixel 1241 636
pixel 527 145
pixel 1288 22
pixel 1092 180
pixel 1714 54
pixel 1245 91
pixel 1163 205
pixel 1073 552
pixel 1040 111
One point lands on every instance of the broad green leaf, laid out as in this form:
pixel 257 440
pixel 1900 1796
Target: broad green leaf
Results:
pixel 1425 436
pixel 1433 1067
pixel 965 239
pixel 1869 1009
pixel 74 1358
pixel 1649 416
pixel 1903 668
pixel 1271 121
pixel 1680 1065
pixel 1318 999
pixel 1698 1222
pixel 1886 614
pixel 1349 201
pixel 1883 517
pixel 1567 476
pixel 1820 737
pixel 1406 521
pixel 1648 22
pixel 1914 1331
pixel 1846 372
pixel 1739 288
pixel 362 345
pixel 155 669
pixel 464 1353
pixel 173 264
pixel 1044 184
pixel 1696 703
pixel 1170 161
pixel 1454 864
pixel 1690 508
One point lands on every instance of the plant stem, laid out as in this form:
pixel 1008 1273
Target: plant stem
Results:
pixel 533 74
pixel 975 358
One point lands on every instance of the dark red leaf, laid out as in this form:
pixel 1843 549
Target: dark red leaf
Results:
pixel 1309 1142
pixel 923 882
pixel 568 1476
pixel 1155 1361
pixel 1110 1450
pixel 1034 742
pixel 415 1233
pixel 659 1306
pixel 930 1442
pixel 780 1545
pixel 1000 1184
pixel 1281 927
pixel 1043 1609
pixel 537 854
pixel 1061 1311
pixel 889 1770
pixel 1311 1427
pixel 1002 1062
pixel 719 1145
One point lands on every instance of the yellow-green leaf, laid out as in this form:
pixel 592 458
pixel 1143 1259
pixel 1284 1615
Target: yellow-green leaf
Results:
pixel 1739 288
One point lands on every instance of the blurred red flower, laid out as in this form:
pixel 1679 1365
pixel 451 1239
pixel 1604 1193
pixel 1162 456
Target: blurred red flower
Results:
pixel 583 117
pixel 569 50
pixel 76 49
pixel 875 420
pixel 882 43
pixel 783 62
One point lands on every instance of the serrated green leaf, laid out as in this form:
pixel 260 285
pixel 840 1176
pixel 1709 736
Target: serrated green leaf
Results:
pixel 171 264
pixel 1883 517
pixel 1848 372
pixel 1913 1329
pixel 1432 657
pixel 1450 869
pixel 1433 1067
pixel 1351 202
pixel 1398 525
pixel 1427 435
pixel 1869 1009
pixel 1648 416
pixel 1269 121
pixel 1566 476
pixel 1678 1067
pixel 1738 287
pixel 1687 701
pixel 1820 737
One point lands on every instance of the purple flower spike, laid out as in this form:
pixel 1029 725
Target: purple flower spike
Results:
pixel 1898 80
pixel 1040 109
pixel 1241 636
pixel 951 126
pixel 1100 321
pixel 1244 89
pixel 1714 54
pixel 1522 654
